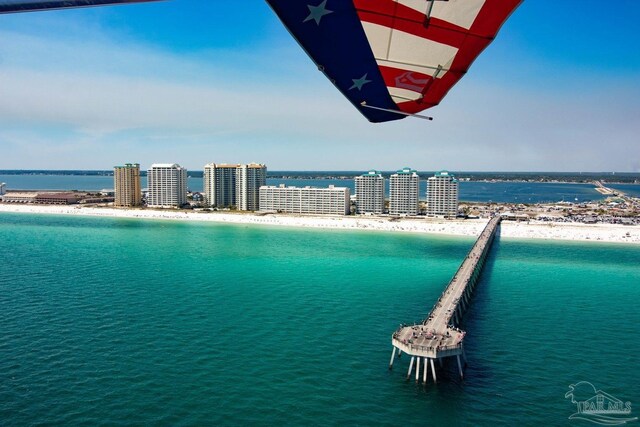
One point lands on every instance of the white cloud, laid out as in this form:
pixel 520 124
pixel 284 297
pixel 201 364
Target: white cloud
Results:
pixel 96 102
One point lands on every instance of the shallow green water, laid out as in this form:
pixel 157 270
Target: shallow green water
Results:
pixel 113 321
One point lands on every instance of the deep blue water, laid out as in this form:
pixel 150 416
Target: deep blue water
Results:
pixel 505 192
pixel 630 189
pixel 121 321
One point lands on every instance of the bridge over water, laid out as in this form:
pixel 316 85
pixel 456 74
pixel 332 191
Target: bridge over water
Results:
pixel 438 336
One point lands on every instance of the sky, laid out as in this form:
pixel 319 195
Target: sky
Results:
pixel 194 82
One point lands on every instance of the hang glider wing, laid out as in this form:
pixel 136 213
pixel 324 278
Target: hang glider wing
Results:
pixel 393 58
pixel 13 6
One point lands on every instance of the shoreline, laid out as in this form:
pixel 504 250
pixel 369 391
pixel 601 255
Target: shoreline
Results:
pixel 611 233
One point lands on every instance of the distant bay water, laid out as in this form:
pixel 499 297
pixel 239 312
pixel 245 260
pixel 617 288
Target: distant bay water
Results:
pixel 474 191
pixel 111 321
pixel 632 190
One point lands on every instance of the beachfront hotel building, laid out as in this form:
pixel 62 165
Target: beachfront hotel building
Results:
pixel 370 193
pixel 220 185
pixel 330 200
pixel 167 185
pixel 249 179
pixel 234 185
pixel 127 187
pixel 43 198
pixel 442 195
pixel 3 188
pixel 403 192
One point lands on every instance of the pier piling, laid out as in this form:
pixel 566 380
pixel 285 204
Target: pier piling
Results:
pixel 459 366
pixel 425 369
pixel 393 355
pixel 410 367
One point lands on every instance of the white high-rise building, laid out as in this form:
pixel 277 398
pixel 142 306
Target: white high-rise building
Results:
pixel 220 185
pixel 3 188
pixel 126 181
pixel 442 194
pixel 306 200
pixel 404 186
pixel 167 185
pixel 249 179
pixel 370 193
pixel 228 185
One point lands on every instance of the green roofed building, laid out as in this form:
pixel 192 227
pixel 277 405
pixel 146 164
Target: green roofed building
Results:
pixel 403 192
pixel 442 195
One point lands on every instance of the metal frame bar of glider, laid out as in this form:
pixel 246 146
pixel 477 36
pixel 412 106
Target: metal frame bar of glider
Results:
pixel 414 64
pixel 406 98
pixel 44 5
pixel 388 110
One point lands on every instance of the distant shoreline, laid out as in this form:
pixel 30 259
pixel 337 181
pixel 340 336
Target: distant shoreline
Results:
pixel 612 233
pixel 472 176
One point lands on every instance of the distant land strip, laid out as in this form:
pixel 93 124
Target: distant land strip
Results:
pixel 578 177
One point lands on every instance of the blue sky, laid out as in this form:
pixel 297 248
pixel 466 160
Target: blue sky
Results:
pixel 195 82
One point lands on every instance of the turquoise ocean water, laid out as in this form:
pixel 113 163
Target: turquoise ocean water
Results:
pixel 132 322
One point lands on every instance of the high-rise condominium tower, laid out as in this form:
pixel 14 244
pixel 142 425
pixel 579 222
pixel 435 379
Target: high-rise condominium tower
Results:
pixel 370 193
pixel 227 185
pixel 403 192
pixel 167 185
pixel 127 185
pixel 442 194
pixel 220 185
pixel 249 179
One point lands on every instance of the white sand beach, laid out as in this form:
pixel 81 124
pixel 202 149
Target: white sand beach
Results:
pixel 529 230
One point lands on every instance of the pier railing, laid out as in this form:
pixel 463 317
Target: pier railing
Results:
pixel 486 234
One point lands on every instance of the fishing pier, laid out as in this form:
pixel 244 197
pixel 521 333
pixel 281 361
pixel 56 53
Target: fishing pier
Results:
pixel 439 336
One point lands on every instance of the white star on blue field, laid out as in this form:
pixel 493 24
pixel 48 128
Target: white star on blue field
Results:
pixel 317 12
pixel 358 83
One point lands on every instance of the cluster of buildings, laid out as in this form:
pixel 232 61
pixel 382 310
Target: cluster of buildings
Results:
pixel 243 187
pixel 225 185
pixel 404 194
pixel 167 185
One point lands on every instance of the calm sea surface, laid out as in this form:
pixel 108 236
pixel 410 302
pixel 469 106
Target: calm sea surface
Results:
pixel 504 192
pixel 120 321
pixel 630 189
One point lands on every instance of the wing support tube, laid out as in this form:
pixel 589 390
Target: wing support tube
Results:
pixel 402 113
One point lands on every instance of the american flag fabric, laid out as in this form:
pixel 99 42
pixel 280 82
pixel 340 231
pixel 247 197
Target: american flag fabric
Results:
pixel 391 58
pixel 13 6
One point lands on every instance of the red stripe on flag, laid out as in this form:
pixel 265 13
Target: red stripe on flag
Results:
pixel 470 43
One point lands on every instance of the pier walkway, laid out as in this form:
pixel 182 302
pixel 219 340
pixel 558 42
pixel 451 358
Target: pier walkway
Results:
pixel 438 336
